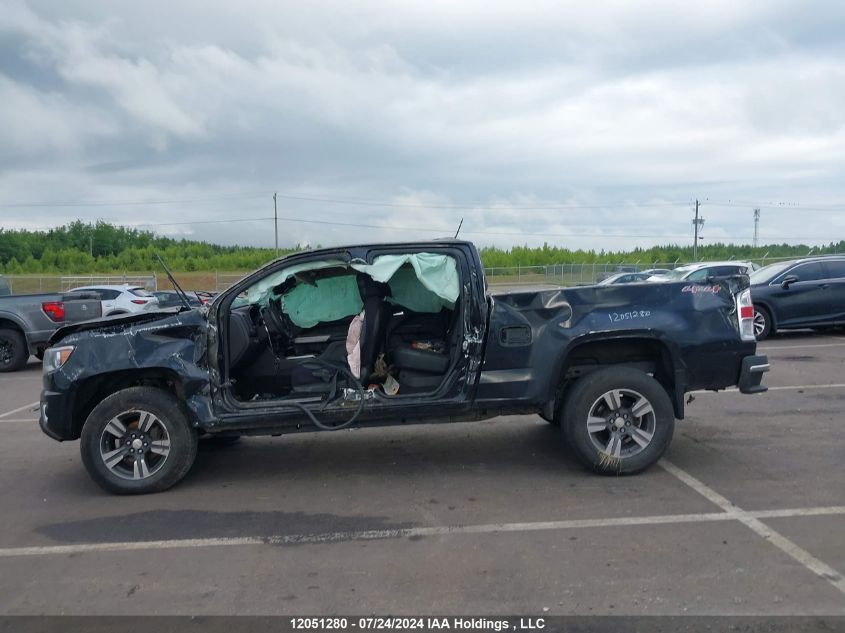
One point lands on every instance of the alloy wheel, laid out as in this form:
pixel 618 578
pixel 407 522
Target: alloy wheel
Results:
pixel 621 423
pixel 134 445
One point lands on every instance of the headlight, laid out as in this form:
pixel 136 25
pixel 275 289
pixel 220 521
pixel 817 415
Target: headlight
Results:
pixel 55 357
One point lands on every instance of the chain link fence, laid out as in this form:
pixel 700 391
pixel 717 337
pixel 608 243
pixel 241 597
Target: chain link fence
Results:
pixel 217 281
pixel 35 284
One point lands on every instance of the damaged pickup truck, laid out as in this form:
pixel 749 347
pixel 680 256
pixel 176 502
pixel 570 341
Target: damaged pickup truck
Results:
pixel 392 334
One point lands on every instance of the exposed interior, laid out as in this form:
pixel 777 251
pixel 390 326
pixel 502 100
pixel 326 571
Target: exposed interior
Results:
pixel 289 334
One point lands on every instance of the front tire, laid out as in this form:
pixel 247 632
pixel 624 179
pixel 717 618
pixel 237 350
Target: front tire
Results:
pixel 763 325
pixel 618 421
pixel 138 440
pixel 13 350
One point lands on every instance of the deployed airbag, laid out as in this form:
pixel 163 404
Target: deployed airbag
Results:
pixel 331 299
pixel 438 274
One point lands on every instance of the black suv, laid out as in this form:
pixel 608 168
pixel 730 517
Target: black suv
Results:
pixel 803 293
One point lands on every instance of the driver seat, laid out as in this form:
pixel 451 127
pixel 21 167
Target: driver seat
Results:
pixel 373 294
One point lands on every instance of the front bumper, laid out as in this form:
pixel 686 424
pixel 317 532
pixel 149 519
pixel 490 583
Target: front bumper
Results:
pixel 751 374
pixel 55 418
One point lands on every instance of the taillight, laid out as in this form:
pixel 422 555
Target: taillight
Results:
pixel 55 310
pixel 745 308
pixel 139 302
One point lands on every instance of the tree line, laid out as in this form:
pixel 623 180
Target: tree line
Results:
pixel 100 247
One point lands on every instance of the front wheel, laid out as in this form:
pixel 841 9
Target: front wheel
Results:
pixel 138 440
pixel 618 420
pixel 763 326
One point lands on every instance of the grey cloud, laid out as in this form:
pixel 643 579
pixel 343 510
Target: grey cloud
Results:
pixel 614 106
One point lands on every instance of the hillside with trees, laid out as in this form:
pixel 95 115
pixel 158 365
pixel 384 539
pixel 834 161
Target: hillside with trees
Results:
pixel 80 248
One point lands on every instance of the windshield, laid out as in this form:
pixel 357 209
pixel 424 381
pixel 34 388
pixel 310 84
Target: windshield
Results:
pixel 767 273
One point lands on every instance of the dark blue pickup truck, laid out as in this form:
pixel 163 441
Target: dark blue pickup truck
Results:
pixel 392 334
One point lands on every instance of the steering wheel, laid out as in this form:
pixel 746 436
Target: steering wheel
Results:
pixel 271 315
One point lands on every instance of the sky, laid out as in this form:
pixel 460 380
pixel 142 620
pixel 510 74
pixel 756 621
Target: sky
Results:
pixel 583 125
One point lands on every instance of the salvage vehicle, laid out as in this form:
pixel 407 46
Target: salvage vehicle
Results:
pixel 28 321
pixel 705 270
pixel 123 299
pixel 392 334
pixel 803 293
pixel 624 278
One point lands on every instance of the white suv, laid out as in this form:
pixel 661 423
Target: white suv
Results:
pixel 704 270
pixel 122 299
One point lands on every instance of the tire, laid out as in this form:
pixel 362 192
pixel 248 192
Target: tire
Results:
pixel 118 424
pixel 624 439
pixel 13 350
pixel 763 324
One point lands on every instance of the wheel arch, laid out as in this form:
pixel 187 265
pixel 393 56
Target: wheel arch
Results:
pixel 94 389
pixel 639 350
pixel 11 322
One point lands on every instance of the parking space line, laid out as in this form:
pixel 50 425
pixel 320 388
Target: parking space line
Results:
pixel 5 420
pixel 840 385
pixel 31 405
pixel 809 345
pixel 810 562
pixel 370 535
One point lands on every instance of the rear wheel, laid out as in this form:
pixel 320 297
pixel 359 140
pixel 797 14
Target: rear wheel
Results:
pixel 763 327
pixel 13 350
pixel 618 420
pixel 138 440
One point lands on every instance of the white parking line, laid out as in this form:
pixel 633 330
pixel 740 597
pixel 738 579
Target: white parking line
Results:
pixel 752 521
pixel 30 420
pixel 447 530
pixel 783 388
pixel 30 406
pixel 811 345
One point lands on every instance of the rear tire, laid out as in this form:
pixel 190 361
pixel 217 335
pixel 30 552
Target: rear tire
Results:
pixel 13 350
pixel 618 421
pixel 138 440
pixel 763 325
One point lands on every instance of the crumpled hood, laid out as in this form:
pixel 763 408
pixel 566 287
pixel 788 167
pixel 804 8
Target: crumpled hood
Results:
pixel 110 322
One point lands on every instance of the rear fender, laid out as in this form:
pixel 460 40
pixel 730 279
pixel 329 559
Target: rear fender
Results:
pixel 640 349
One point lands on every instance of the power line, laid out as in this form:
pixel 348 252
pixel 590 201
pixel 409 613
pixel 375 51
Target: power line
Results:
pixel 448 231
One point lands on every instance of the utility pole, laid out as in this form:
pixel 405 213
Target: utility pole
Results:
pixel 756 227
pixel 276 223
pixel 697 223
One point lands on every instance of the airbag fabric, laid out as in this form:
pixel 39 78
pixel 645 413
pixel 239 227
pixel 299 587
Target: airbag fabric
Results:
pixel 331 299
pixel 437 273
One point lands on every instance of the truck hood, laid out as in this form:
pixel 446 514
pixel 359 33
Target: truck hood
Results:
pixel 110 322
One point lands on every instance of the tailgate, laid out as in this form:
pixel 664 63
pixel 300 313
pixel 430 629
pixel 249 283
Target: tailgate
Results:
pixel 81 307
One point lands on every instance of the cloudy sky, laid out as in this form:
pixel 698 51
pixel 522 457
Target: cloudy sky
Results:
pixel 581 124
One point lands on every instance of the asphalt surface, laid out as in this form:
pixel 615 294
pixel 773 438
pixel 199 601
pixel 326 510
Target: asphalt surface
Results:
pixel 745 516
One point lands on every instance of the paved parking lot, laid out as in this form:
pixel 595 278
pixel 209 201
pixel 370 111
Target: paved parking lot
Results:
pixel 745 516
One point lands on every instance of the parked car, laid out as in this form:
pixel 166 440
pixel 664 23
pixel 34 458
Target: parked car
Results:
pixel 122 299
pixel 171 299
pixel 28 321
pixel 384 334
pixel 624 268
pixel 801 293
pixel 624 278
pixel 705 270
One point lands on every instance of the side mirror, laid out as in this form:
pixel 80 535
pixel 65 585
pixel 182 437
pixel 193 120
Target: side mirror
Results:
pixel 788 280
